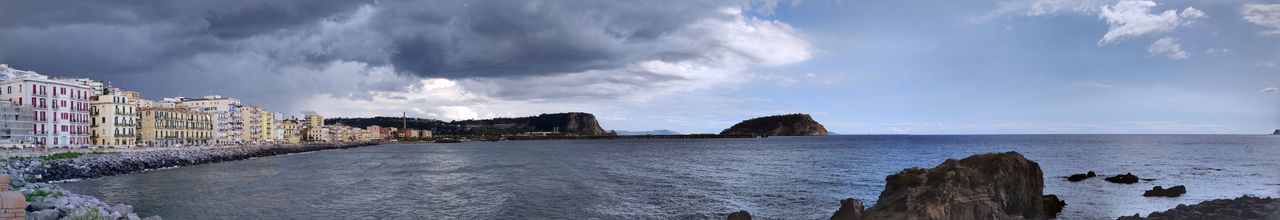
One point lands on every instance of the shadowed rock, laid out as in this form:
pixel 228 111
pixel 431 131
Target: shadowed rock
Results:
pixel 1127 178
pixel 850 209
pixel 1052 205
pixel 740 215
pixel 985 186
pixel 1158 191
pixel 1081 176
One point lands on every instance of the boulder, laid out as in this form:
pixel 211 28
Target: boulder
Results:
pixel 1081 176
pixel 985 186
pixel 850 209
pixel 1158 191
pixel 740 215
pixel 122 208
pixel 44 215
pixel 1127 178
pixel 154 217
pixel 1052 205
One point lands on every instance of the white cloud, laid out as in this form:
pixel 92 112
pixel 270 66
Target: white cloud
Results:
pixel 1269 90
pixel 1129 19
pixel 1268 64
pixel 1099 85
pixel 1217 50
pixel 1266 15
pixel 1169 47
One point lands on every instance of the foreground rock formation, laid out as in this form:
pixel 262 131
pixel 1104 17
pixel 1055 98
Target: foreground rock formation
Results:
pixel 739 215
pixel 1246 207
pixel 778 125
pixel 985 186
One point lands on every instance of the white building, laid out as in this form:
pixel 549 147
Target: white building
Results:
pixel 226 116
pixel 60 108
pixel 15 126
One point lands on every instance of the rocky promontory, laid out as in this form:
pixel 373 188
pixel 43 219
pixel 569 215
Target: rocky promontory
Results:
pixel 984 186
pixel 778 125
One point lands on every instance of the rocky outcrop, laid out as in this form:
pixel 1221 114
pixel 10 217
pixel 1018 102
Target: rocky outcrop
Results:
pixel 778 125
pixel 850 209
pixel 985 186
pixel 1277 132
pixel 1158 191
pixel 1246 207
pixel 1127 178
pixel 49 202
pixel 1081 176
pixel 739 215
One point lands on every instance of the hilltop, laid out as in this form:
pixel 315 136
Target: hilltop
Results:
pixel 778 125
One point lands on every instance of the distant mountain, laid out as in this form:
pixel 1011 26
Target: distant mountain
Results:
pixel 571 123
pixel 653 132
pixel 1277 132
pixel 778 125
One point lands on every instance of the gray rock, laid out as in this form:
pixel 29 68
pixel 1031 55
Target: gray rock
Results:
pixel 154 217
pixel 850 209
pixel 44 215
pixel 132 216
pixel 122 208
pixel 37 206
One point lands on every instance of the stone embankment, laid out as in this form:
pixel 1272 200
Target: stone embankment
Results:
pixel 94 166
pixel 48 201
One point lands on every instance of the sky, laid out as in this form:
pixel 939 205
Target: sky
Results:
pixel 693 66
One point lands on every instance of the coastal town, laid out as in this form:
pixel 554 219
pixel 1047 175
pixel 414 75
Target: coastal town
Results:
pixel 38 111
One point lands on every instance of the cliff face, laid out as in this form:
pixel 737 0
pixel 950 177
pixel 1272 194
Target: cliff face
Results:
pixel 986 186
pixel 778 125
pixel 573 123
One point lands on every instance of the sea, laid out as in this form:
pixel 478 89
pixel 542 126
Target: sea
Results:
pixel 773 178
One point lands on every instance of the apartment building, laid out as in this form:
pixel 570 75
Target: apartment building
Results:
pixel 227 126
pixel 15 126
pixel 59 108
pixel 113 120
pixel 174 127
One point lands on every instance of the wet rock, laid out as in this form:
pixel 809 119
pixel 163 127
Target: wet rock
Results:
pixel 740 215
pixel 1127 178
pixel 44 215
pixel 1081 176
pixel 132 216
pixel 1158 191
pixel 850 209
pixel 122 208
pixel 1052 205
pixel 985 186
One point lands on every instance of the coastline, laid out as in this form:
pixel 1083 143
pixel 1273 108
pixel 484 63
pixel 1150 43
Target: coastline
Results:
pixel 34 176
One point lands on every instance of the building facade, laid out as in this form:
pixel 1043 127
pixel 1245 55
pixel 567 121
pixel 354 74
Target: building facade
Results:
pixel 226 117
pixel 292 131
pixel 113 120
pixel 15 126
pixel 174 127
pixel 59 108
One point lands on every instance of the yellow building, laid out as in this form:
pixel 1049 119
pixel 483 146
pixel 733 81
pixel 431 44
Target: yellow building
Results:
pixel 174 127
pixel 315 120
pixel 317 134
pixel 113 120
pixel 292 131
pixel 266 127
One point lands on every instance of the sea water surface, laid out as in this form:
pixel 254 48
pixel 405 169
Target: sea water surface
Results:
pixel 778 177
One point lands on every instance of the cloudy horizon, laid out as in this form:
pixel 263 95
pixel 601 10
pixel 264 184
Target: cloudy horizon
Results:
pixel 999 67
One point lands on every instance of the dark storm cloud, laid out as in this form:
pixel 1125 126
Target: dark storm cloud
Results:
pixel 452 39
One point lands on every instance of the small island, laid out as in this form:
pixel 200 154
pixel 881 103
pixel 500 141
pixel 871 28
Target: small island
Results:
pixel 778 125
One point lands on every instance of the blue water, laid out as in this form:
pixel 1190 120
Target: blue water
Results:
pixel 779 177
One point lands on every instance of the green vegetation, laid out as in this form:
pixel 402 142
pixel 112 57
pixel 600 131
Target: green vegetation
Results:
pixel 43 193
pixel 90 213
pixel 69 155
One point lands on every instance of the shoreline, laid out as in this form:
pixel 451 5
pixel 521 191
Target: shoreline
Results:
pixel 36 177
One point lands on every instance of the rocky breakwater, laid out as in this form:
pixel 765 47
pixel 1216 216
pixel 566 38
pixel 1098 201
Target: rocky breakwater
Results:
pixel 778 125
pixel 985 186
pixel 49 202
pixel 95 166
